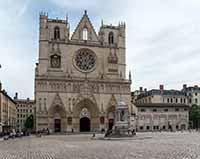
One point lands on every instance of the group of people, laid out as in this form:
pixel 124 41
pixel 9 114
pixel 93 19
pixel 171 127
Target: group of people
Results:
pixel 46 131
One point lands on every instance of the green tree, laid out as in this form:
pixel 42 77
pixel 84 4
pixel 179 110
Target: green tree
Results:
pixel 194 116
pixel 29 123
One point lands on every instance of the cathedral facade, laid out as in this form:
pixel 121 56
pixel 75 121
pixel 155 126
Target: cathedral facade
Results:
pixel 80 78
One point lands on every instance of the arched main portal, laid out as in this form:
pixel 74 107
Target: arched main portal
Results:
pixel 84 124
pixel 86 116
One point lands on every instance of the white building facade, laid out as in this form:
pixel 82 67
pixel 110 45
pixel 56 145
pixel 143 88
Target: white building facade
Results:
pixel 161 110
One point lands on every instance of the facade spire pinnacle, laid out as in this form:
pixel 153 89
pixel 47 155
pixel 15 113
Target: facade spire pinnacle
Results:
pixel 129 75
pixel 101 22
pixel 66 18
pixel 85 12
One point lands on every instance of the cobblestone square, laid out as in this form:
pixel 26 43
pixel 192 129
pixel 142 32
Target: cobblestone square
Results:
pixel 144 146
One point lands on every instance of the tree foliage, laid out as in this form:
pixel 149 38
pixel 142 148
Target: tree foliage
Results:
pixel 29 122
pixel 195 116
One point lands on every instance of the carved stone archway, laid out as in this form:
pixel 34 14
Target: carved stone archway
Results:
pixel 57 115
pixel 93 114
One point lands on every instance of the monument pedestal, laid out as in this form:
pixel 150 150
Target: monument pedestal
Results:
pixel 121 126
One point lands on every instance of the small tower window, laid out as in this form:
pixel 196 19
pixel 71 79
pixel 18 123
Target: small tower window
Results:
pixel 56 33
pixel 85 34
pixel 111 38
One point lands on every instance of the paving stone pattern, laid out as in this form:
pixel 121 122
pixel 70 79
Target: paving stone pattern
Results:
pixel 145 146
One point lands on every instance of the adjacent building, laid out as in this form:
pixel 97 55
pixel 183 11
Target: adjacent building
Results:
pixel 160 109
pixel 80 78
pixel 8 113
pixel 193 94
pixel 25 108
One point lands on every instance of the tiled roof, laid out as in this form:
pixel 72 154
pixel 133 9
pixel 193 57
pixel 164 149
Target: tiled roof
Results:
pixel 5 94
pixel 162 92
pixel 192 89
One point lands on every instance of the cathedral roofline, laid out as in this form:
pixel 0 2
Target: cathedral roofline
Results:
pixel 84 15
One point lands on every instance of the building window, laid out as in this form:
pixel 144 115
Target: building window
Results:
pixel 195 94
pixel 149 99
pixel 176 100
pixel 184 100
pixel 185 109
pixel 181 100
pixel 56 33
pixel 176 109
pixel 69 120
pixel 177 127
pixel 167 100
pixel 55 61
pixel 166 110
pixel 171 100
pixel 141 127
pixel 111 38
pixel 102 120
pixel 154 110
pixel 164 127
pixel 148 127
pixel 196 100
pixel 85 34
pixel 142 110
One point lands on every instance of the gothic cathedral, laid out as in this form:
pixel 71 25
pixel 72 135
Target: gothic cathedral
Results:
pixel 80 78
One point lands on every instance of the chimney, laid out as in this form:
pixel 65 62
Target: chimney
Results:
pixel 145 90
pixel 16 96
pixel 195 86
pixel 184 86
pixel 141 89
pixel 0 86
pixel 161 87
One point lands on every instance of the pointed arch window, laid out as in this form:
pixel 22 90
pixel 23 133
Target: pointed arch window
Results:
pixel 85 34
pixel 55 61
pixel 111 38
pixel 56 32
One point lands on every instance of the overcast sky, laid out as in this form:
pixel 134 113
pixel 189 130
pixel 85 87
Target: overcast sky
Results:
pixel 163 38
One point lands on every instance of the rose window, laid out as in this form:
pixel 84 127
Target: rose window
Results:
pixel 85 60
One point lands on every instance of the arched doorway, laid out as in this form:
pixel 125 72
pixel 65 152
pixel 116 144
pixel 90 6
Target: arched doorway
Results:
pixel 110 124
pixel 111 117
pixel 57 125
pixel 84 124
pixel 86 116
pixel 57 121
